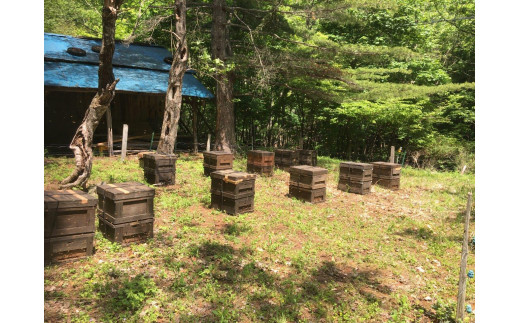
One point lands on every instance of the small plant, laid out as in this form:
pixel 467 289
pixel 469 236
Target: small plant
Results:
pixel 444 312
pixel 134 292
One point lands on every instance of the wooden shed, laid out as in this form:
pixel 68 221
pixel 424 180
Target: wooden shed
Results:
pixel 71 81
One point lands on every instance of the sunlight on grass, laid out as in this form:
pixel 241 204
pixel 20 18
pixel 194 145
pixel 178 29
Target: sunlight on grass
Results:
pixel 352 258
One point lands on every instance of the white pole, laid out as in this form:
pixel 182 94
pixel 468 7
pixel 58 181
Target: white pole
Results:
pixel 125 138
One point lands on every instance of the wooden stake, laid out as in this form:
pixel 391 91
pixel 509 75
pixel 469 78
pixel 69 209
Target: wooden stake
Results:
pixel 208 144
pixel 463 170
pixel 125 138
pixel 110 137
pixel 461 296
pixel 194 126
pixel 392 154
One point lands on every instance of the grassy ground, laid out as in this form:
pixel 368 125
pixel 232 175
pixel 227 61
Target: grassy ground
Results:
pixel 386 256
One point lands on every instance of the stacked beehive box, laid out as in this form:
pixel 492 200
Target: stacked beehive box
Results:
pixel 387 175
pixel 69 220
pixel 125 212
pixel 355 177
pixel 308 183
pixel 308 157
pixel 217 160
pixel 260 162
pixel 141 157
pixel 285 158
pixel 159 169
pixel 232 191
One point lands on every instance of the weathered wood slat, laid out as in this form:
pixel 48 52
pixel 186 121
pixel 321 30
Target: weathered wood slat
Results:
pixel 386 169
pixel 59 249
pixel 233 205
pixel 352 186
pixel 160 176
pixel 390 182
pixel 308 157
pixel 68 212
pixel 219 159
pixel 136 231
pixel 285 158
pixel 232 184
pixel 261 170
pixel 260 158
pixel 125 191
pixel 308 195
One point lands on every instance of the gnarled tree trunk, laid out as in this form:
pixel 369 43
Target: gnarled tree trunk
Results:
pixel 81 144
pixel 173 101
pixel 225 130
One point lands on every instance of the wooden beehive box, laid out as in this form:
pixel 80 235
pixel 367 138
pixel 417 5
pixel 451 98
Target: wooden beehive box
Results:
pixel 125 202
pixel 308 157
pixel 386 169
pixel 159 169
pixel 286 157
pixel 218 159
pixel 124 233
pixel 232 184
pixel 159 161
pixel 260 158
pixel 390 182
pixel 353 186
pixel 233 206
pixel 161 176
pixel 308 195
pixel 233 192
pixel 63 248
pixel 68 212
pixel 308 177
pixel 262 170
pixel 141 157
pixel 355 171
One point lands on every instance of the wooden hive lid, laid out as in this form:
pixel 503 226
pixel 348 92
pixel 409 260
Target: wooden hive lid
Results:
pixel 386 165
pixel 216 153
pixel 232 175
pixel 355 165
pixel 307 170
pixel 68 198
pixel 159 157
pixel 125 191
pixel 284 151
pixel 260 152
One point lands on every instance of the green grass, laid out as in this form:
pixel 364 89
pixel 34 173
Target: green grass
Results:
pixel 352 258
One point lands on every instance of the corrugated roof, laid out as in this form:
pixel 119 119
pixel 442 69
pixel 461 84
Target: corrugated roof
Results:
pixel 139 68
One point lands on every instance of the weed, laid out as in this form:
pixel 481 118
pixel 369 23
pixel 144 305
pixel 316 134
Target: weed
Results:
pixel 134 292
pixel 444 311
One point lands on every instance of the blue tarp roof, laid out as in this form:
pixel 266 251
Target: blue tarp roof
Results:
pixel 139 68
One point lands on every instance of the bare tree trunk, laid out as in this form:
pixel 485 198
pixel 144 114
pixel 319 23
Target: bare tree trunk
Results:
pixel 81 143
pixel 173 101
pixel 225 128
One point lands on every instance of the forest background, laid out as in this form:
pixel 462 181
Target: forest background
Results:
pixel 347 78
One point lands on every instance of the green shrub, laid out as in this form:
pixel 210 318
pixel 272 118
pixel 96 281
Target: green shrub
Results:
pixel 134 292
pixel 444 312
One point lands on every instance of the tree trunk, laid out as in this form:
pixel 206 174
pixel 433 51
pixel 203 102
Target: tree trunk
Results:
pixel 225 128
pixel 173 101
pixel 81 143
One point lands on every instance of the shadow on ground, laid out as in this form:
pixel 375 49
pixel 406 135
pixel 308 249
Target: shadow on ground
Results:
pixel 301 294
